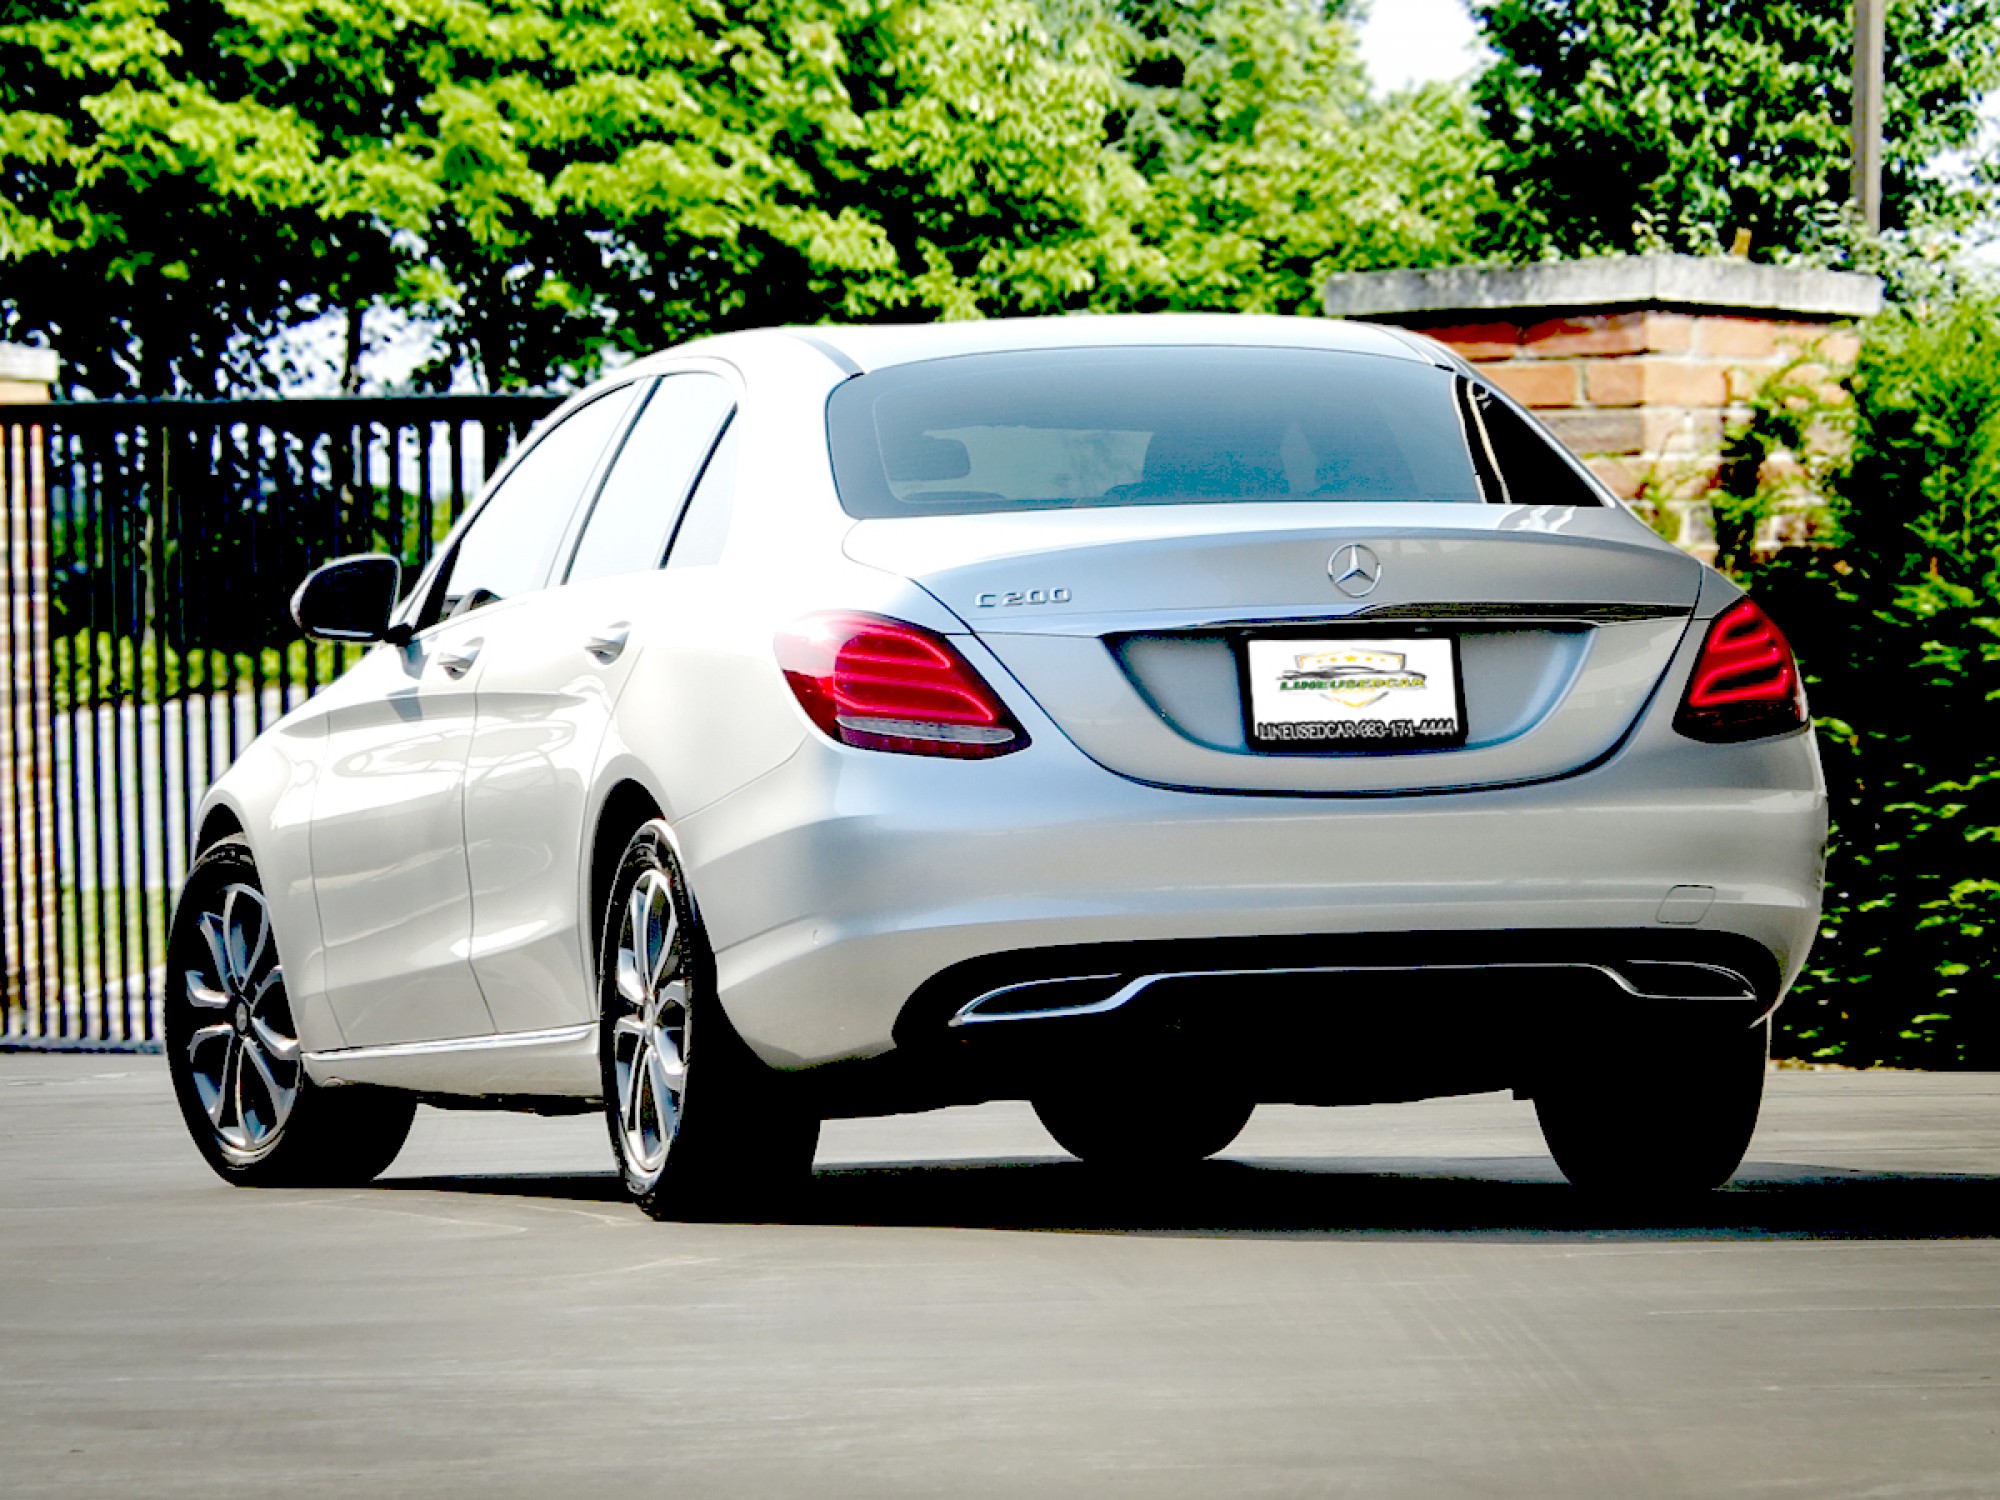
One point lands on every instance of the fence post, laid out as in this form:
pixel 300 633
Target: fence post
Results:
pixel 29 979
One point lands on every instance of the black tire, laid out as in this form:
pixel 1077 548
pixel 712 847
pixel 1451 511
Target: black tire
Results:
pixel 736 1145
pixel 1141 1130
pixel 233 1050
pixel 1677 1122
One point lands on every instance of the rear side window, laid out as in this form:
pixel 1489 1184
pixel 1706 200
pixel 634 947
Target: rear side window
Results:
pixel 641 500
pixel 705 528
pixel 1527 468
pixel 1063 428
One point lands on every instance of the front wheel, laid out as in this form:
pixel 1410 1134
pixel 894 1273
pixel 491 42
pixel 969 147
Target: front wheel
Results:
pixel 1677 1122
pixel 233 1047
pixel 699 1131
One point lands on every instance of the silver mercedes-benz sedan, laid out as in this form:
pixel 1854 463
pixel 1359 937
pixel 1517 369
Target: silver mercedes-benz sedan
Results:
pixel 1144 717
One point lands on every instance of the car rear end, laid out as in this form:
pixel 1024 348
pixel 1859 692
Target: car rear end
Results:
pixel 1300 719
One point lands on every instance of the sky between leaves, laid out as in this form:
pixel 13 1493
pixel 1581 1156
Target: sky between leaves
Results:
pixel 1407 42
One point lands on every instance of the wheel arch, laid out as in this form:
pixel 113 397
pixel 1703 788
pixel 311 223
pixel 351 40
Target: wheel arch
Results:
pixel 266 799
pixel 626 805
pixel 218 822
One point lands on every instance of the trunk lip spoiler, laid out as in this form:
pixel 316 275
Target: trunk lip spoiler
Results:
pixel 1591 612
pixel 1151 622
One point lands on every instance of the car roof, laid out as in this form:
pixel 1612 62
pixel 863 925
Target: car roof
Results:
pixel 859 348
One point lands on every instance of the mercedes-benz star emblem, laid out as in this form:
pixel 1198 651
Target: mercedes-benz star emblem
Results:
pixel 1355 570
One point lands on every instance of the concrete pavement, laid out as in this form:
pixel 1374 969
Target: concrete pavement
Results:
pixel 1394 1301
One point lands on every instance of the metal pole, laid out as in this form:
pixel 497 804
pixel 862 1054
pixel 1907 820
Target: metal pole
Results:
pixel 1868 49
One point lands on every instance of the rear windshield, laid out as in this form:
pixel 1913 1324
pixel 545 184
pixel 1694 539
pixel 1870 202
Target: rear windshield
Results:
pixel 1181 426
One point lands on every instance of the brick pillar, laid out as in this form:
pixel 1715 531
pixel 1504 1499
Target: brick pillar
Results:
pixel 29 977
pixel 1638 363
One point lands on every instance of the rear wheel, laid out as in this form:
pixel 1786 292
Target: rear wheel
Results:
pixel 700 1125
pixel 1679 1121
pixel 233 1047
pixel 1141 1130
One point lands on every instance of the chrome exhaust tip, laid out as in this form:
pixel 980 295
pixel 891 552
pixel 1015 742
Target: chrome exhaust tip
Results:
pixel 1675 980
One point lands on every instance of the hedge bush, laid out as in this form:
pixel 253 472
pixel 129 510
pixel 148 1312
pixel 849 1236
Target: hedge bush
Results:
pixel 89 667
pixel 1898 633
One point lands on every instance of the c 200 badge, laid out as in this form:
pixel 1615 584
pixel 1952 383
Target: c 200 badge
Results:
pixel 1012 598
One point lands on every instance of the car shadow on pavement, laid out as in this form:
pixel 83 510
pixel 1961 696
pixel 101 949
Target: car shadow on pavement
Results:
pixel 1500 1198
pixel 567 1187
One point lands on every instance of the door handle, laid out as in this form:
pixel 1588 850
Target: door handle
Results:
pixel 458 660
pixel 608 642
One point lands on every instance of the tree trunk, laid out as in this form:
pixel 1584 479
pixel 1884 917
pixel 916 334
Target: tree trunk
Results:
pixel 350 366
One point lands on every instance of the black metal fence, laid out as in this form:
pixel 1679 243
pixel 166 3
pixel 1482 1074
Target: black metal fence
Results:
pixel 151 551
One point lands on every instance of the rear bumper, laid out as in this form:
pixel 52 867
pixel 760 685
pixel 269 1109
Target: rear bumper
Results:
pixel 1323 1019
pixel 839 888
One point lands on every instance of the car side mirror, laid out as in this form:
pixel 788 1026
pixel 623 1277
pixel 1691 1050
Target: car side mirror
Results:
pixel 349 599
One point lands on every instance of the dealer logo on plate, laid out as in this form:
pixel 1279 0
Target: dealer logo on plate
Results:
pixel 1352 676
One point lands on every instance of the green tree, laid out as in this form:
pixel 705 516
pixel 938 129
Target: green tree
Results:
pixel 548 182
pixel 149 219
pixel 182 180
pixel 938 159
pixel 1268 164
pixel 1899 634
pixel 1674 124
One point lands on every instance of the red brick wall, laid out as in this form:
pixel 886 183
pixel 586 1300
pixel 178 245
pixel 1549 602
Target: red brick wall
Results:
pixel 1644 397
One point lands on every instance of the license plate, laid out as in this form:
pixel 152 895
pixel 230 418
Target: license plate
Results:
pixel 1360 693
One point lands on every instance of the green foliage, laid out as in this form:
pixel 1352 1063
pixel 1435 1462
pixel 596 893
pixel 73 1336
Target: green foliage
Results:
pixel 1637 125
pixel 110 933
pixel 1793 419
pixel 136 194
pixel 1898 630
pixel 1269 166
pixel 93 667
pixel 550 182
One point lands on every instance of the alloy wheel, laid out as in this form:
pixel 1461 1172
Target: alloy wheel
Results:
pixel 649 1036
pixel 243 1048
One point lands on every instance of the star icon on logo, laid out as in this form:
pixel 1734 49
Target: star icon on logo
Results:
pixel 1355 570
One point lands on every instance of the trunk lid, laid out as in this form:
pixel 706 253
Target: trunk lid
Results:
pixel 1131 626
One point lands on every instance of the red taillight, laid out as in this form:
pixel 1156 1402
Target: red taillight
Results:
pixel 1745 683
pixel 878 684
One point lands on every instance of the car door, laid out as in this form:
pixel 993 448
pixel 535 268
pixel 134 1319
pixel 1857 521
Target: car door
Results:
pixel 387 834
pixel 549 681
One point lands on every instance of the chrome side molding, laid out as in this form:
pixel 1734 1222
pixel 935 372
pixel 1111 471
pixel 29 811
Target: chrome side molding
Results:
pixel 555 1062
